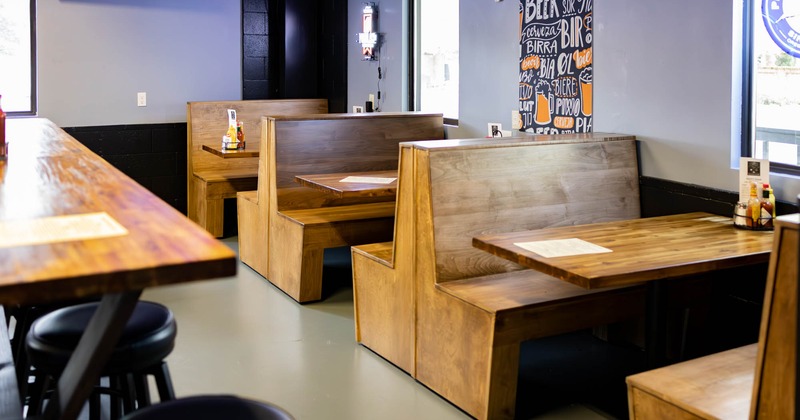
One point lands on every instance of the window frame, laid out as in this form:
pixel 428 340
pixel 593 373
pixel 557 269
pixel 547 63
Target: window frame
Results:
pixel 414 71
pixel 34 102
pixel 748 85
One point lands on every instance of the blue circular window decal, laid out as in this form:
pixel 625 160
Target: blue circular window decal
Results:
pixel 779 22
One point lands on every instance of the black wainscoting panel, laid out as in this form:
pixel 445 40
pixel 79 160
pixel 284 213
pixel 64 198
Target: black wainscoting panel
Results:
pixel 660 197
pixel 154 155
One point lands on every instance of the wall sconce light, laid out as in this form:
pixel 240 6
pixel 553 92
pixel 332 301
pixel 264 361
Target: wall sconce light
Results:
pixel 368 38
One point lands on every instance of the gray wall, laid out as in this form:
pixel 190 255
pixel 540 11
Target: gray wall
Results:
pixel 664 71
pixel 362 76
pixel 95 55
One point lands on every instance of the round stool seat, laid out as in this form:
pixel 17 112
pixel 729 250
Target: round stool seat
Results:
pixel 148 337
pixel 211 407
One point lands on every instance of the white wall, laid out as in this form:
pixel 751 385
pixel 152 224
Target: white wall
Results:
pixel 664 71
pixel 95 55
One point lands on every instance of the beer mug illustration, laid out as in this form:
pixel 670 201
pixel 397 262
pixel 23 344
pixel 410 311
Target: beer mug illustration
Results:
pixel 586 91
pixel 543 92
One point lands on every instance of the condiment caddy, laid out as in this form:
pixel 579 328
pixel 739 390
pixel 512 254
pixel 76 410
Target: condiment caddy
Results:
pixel 756 213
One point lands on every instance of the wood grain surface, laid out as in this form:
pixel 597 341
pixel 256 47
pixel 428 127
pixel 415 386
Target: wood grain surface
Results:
pixel 336 143
pixel 49 173
pixel 209 178
pixel 755 380
pixel 384 296
pixel 331 183
pixel 471 187
pixel 516 185
pixel 207 122
pixel 774 390
pixel 250 150
pixel 328 143
pixel 718 386
pixel 420 302
pixel 643 249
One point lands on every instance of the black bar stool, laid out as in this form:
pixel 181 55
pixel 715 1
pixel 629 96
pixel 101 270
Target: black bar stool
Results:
pixel 211 407
pixel 148 337
pixel 23 318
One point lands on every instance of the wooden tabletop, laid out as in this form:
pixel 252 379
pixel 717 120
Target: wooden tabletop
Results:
pixel 48 173
pixel 641 249
pixel 332 184
pixel 250 150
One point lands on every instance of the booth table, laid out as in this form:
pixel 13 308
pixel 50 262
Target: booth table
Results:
pixel 651 250
pixel 363 184
pixel 72 226
pixel 251 150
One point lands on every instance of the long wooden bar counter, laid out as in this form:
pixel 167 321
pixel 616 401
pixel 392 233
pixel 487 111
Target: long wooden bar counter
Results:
pixel 60 190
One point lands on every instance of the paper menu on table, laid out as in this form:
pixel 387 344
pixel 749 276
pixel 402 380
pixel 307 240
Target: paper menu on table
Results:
pixel 59 229
pixel 752 170
pixel 368 180
pixel 562 247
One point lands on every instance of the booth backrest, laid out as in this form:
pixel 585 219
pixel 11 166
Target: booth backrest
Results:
pixel 207 122
pixel 334 143
pixel 481 187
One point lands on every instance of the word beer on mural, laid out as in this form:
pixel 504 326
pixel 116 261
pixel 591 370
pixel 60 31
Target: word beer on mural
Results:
pixel 555 70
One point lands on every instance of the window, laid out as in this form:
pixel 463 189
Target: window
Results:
pixel 434 40
pixel 17 58
pixel 772 83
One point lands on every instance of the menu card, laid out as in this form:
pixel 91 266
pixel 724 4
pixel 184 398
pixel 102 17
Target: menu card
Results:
pixel 562 247
pixel 368 180
pixel 59 229
pixel 752 170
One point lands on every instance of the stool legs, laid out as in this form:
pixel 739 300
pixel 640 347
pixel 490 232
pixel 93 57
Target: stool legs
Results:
pixel 141 390
pixel 163 382
pixel 127 391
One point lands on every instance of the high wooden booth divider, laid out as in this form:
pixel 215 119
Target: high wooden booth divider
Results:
pixel 211 179
pixel 284 227
pixel 454 316
pixel 756 381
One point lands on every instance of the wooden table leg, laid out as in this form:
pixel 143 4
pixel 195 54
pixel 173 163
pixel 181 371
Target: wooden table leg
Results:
pixel 90 356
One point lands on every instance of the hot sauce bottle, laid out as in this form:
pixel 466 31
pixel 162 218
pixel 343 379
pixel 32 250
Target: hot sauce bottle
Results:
pixel 771 198
pixel 766 209
pixel 240 135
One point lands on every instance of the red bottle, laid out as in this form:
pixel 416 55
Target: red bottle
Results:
pixel 766 210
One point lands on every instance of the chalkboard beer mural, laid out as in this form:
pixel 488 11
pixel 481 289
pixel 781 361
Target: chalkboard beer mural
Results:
pixel 555 70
